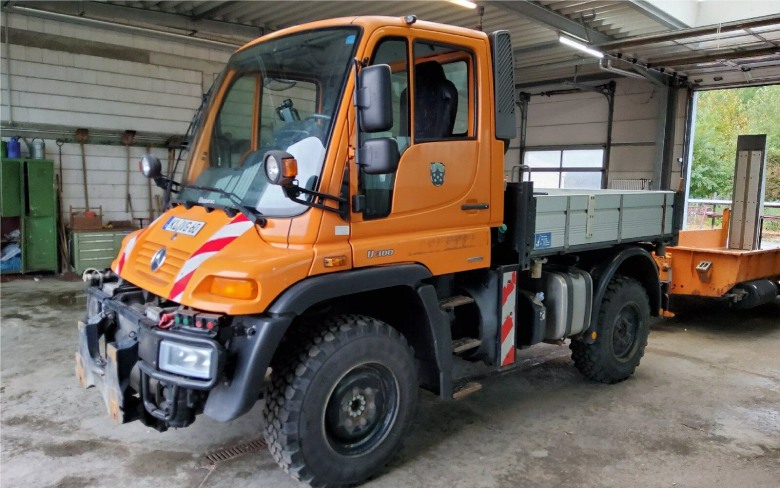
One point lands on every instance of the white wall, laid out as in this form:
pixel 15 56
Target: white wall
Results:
pixel 581 119
pixel 106 178
pixel 696 13
pixel 714 12
pixel 90 89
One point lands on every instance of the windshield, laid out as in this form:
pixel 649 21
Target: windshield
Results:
pixel 279 94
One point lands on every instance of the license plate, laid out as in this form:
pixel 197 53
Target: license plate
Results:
pixel 183 226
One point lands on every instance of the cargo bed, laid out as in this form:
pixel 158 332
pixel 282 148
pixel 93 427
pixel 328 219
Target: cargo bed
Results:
pixel 543 222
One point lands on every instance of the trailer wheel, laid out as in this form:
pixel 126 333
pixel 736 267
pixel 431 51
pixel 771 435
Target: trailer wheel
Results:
pixel 622 330
pixel 341 400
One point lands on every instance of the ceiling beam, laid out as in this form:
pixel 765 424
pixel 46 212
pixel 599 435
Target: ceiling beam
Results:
pixel 708 58
pixel 537 47
pixel 659 15
pixel 553 20
pixel 204 28
pixel 694 32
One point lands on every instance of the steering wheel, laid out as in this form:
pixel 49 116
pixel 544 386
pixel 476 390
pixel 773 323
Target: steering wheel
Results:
pixel 319 117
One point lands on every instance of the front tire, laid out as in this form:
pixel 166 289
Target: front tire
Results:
pixel 621 333
pixel 341 400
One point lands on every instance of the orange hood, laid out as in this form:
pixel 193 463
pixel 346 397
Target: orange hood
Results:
pixel 224 246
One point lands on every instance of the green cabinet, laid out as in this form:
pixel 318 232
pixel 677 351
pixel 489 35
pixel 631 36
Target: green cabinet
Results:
pixel 41 244
pixel 41 190
pixel 11 182
pixel 29 205
pixel 95 248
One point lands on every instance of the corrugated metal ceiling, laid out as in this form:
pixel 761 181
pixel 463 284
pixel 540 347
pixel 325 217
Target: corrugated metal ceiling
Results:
pixel 616 19
pixel 539 56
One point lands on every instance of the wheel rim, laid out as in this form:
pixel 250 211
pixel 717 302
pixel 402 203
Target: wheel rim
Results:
pixel 624 332
pixel 361 409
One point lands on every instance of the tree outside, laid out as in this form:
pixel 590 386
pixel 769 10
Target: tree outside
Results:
pixel 721 116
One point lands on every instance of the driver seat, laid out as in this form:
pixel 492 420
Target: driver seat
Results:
pixel 435 103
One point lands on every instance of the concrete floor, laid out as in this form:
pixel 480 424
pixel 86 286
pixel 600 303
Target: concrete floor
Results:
pixel 702 410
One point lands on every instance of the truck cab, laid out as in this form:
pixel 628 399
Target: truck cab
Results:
pixel 342 232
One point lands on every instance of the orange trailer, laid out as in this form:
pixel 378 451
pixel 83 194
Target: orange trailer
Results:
pixel 702 265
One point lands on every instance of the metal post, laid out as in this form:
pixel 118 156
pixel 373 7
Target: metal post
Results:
pixel 610 94
pixel 523 106
pixel 8 68
pixel 688 153
pixel 668 148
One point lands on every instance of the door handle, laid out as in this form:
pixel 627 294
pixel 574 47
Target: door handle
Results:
pixel 475 206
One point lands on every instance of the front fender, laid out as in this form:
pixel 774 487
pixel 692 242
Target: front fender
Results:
pixel 249 356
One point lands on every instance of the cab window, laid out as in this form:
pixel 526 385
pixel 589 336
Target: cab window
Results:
pixel 443 92
pixel 378 189
pixel 232 134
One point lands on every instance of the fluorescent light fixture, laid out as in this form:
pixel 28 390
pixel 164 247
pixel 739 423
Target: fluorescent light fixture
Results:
pixel 464 3
pixel 580 46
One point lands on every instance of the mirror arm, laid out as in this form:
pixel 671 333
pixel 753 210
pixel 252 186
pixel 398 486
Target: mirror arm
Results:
pixel 294 191
pixel 167 184
pixel 357 101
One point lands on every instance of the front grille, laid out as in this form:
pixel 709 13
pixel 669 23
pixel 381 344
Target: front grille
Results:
pixel 174 260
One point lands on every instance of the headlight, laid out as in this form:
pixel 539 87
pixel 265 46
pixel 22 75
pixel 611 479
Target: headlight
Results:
pixel 272 168
pixel 186 360
pixel 281 168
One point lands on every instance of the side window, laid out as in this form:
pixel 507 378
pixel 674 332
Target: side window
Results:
pixel 378 189
pixel 232 134
pixel 444 93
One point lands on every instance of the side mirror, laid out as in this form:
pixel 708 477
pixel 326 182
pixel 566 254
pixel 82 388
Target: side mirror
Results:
pixel 281 167
pixel 379 156
pixel 150 166
pixel 374 99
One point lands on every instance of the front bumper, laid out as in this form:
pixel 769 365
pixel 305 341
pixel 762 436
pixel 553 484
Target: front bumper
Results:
pixel 126 371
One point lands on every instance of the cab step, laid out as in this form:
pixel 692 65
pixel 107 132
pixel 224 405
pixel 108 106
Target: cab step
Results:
pixel 455 301
pixel 465 344
pixel 466 389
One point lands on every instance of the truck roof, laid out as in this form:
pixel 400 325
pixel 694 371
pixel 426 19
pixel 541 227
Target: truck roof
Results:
pixel 371 22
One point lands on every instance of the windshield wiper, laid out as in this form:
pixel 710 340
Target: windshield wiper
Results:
pixel 254 216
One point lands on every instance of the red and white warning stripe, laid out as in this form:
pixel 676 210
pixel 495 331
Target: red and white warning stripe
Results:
pixel 126 252
pixel 212 246
pixel 508 318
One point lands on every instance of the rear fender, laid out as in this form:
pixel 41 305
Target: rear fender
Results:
pixel 632 261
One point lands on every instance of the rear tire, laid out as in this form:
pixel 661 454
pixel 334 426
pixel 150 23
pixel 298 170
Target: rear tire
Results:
pixel 622 330
pixel 341 400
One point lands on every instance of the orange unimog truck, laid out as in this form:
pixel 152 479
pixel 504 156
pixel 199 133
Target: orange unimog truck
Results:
pixel 342 232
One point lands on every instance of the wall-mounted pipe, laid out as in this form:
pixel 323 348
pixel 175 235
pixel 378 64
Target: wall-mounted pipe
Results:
pixel 618 71
pixel 8 70
pixel 129 29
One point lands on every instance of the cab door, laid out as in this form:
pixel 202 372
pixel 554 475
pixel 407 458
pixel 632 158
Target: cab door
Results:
pixel 434 209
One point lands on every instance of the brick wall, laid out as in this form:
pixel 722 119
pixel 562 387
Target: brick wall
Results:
pixel 71 76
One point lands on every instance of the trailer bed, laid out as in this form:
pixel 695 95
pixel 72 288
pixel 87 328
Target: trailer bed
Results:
pixel 553 221
pixel 702 264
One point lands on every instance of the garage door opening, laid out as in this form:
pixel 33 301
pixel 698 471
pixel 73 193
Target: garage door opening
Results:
pixel 720 116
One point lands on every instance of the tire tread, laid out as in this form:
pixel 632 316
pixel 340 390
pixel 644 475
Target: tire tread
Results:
pixel 589 358
pixel 293 368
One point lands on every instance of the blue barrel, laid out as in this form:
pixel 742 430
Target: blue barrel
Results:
pixel 14 151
